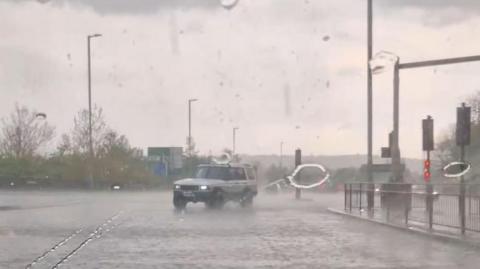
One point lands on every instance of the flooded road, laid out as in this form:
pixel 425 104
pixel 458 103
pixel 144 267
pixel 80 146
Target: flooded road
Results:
pixel 141 230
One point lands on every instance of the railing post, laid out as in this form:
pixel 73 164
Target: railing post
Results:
pixel 345 195
pixel 469 202
pixel 350 197
pixel 360 205
pixel 461 206
pixel 407 200
pixel 406 214
pixel 370 196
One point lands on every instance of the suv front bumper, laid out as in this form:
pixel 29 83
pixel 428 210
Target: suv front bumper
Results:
pixel 193 196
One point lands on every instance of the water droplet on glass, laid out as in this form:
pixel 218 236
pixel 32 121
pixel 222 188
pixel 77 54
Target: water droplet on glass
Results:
pixel 228 4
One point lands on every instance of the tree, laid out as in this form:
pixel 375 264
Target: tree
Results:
pixel 115 155
pixel 23 133
pixel 114 159
pixel 80 137
pixel 65 146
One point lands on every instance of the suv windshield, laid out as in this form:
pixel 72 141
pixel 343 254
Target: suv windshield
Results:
pixel 218 172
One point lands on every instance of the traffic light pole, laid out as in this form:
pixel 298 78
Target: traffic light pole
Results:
pixel 396 158
pixel 428 145
pixel 429 188
pixel 298 161
pixel 463 139
pixel 461 202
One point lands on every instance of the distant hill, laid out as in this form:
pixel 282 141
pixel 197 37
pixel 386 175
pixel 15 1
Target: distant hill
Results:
pixel 332 162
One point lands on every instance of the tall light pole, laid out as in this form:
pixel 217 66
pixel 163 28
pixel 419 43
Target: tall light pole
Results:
pixel 233 145
pixel 90 138
pixel 189 139
pixel 370 196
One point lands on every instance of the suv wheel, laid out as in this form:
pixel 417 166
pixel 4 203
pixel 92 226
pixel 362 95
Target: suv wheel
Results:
pixel 247 199
pixel 216 201
pixel 179 203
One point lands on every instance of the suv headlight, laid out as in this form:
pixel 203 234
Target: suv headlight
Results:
pixel 203 188
pixel 177 187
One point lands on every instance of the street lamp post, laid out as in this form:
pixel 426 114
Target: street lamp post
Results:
pixel 189 139
pixel 233 145
pixel 396 157
pixel 90 138
pixel 370 194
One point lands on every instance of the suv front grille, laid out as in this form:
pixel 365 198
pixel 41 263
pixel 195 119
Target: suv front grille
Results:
pixel 188 188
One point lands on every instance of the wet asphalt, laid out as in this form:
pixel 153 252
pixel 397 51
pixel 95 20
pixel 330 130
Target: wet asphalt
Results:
pixel 141 230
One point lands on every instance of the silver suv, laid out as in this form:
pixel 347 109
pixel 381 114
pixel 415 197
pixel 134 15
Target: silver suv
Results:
pixel 215 184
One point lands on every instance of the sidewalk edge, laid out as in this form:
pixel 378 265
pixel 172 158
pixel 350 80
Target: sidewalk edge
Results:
pixel 432 235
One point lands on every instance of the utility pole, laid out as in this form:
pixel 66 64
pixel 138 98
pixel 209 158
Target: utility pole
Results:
pixel 370 195
pixel 90 135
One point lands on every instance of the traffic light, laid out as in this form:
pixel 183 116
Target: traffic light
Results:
pixel 427 128
pixel 463 125
pixel 426 170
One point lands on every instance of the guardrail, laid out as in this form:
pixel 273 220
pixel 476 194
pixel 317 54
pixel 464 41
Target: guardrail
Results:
pixel 444 205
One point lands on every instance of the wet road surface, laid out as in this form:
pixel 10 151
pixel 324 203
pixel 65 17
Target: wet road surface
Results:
pixel 141 230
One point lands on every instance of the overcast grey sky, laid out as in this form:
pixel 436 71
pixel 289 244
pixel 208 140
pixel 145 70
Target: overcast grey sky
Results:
pixel 242 64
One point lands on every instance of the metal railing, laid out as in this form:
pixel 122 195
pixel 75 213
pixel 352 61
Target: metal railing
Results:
pixel 433 205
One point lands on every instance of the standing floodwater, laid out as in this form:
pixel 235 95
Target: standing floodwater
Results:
pixel 141 230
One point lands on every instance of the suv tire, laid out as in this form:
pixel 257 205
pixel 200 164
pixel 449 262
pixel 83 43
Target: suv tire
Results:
pixel 179 203
pixel 217 200
pixel 247 199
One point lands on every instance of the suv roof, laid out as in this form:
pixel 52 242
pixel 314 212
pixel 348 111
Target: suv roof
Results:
pixel 242 165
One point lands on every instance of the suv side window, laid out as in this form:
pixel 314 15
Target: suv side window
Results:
pixel 237 174
pixel 250 173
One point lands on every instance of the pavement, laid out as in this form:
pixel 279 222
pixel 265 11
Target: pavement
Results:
pixel 141 230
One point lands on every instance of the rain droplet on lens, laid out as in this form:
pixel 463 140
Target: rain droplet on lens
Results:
pixel 228 4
